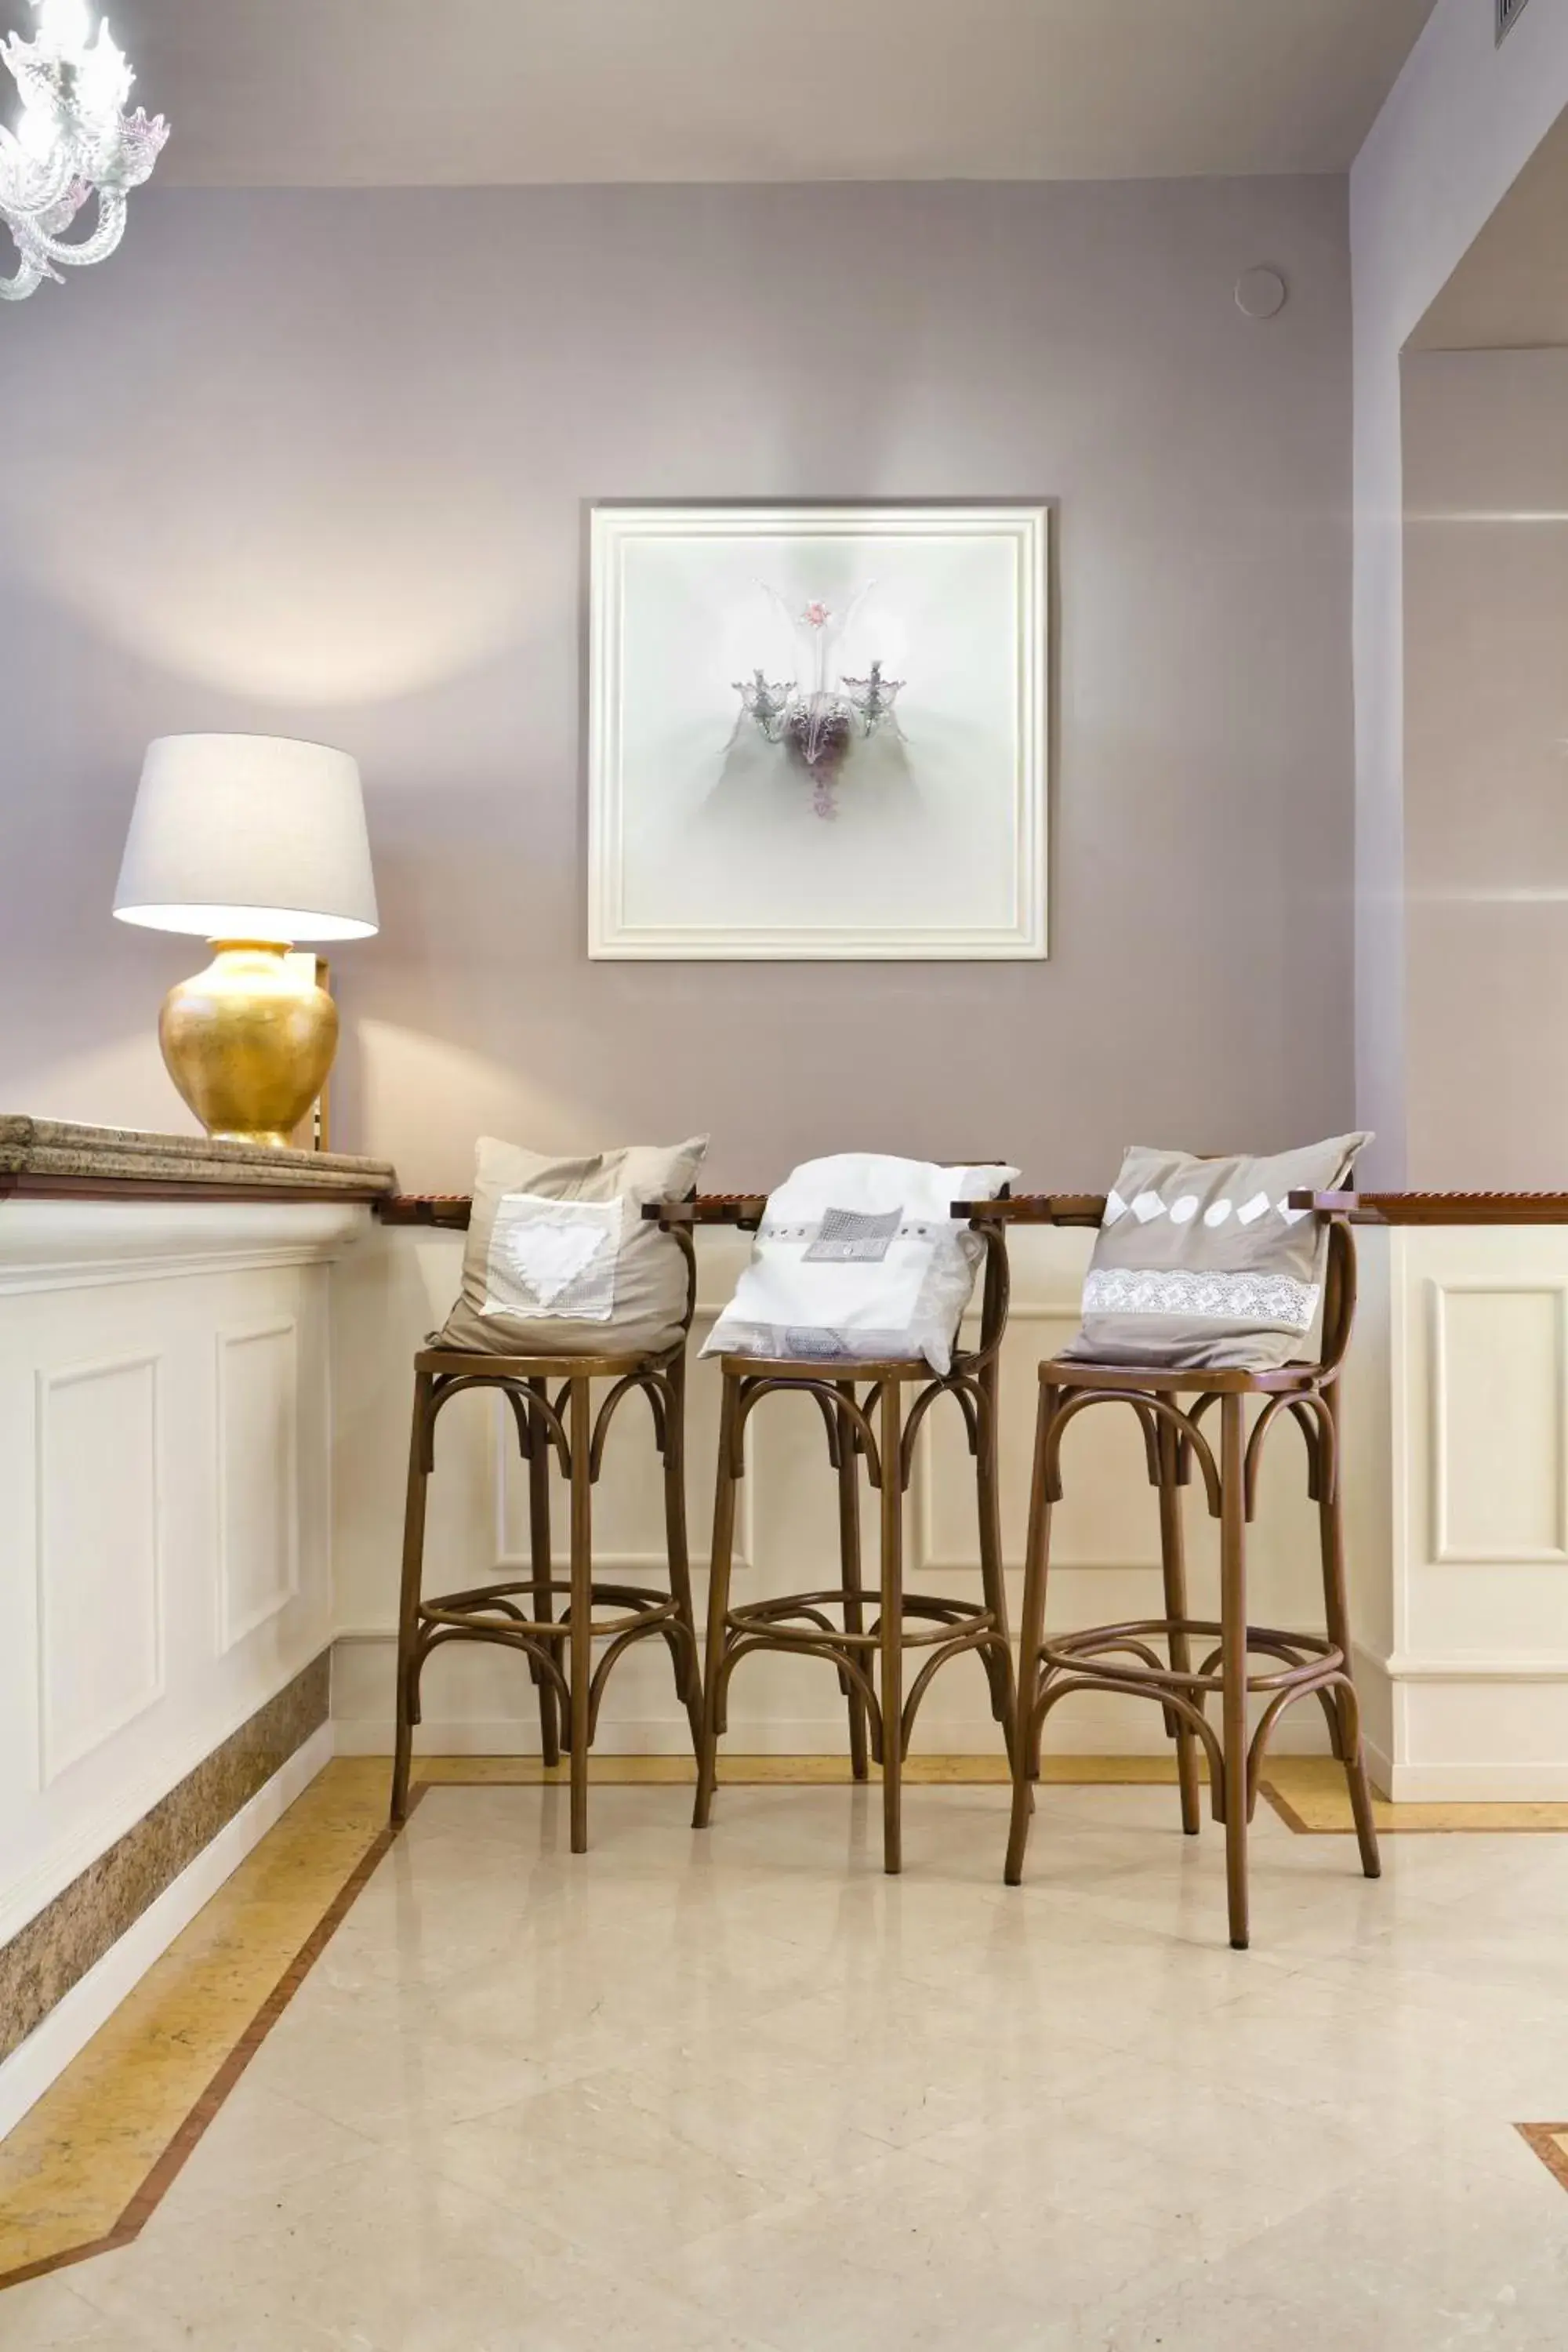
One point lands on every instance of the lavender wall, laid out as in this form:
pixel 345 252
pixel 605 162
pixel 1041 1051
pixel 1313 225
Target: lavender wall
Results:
pixel 316 464
pixel 1486 766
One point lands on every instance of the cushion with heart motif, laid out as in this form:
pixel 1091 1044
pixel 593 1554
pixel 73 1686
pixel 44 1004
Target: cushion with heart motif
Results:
pixel 559 1261
pixel 553 1257
pixel 1204 1264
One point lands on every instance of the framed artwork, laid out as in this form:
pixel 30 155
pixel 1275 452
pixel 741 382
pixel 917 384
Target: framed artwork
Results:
pixel 818 731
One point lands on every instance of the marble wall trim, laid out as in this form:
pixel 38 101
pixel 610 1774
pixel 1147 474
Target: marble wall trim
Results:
pixel 56 1948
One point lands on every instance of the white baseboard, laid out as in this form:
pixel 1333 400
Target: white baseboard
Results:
pixel 27 2074
pixel 656 1736
pixel 1380 1767
pixel 1483 1728
pixel 1137 1734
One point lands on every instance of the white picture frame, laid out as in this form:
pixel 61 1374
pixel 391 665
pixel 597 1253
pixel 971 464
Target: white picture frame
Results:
pixel 900 812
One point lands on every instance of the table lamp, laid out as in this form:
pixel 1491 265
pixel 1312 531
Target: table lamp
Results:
pixel 254 842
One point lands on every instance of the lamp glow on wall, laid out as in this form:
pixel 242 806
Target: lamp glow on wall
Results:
pixel 254 842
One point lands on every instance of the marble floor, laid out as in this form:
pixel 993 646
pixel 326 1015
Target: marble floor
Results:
pixel 742 2091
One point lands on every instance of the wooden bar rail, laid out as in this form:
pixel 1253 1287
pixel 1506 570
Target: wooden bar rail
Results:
pixel 450 1211
pixel 1357 1207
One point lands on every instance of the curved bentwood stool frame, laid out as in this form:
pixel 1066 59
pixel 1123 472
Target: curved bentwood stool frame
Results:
pixel 518 1613
pixel 868 1422
pixel 1171 1407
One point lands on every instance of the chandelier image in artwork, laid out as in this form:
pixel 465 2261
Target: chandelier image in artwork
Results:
pixel 74 144
pixel 819 714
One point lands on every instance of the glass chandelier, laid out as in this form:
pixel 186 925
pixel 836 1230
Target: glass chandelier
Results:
pixel 74 141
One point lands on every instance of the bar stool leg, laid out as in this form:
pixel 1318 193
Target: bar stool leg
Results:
pixel 1336 1605
pixel 1037 1558
pixel 539 1541
pixel 718 1601
pixel 1173 1560
pixel 1233 1658
pixel 408 1599
pixel 689 1672
pixel 888 1438
pixel 993 1578
pixel 849 1574
pixel 581 1644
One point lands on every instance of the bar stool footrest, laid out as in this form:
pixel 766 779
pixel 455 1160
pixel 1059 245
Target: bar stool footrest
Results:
pixel 771 1617
pixel 464 1611
pixel 1309 1658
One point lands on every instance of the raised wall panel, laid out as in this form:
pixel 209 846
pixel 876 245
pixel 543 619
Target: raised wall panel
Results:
pixel 1500 1424
pixel 257 1478
pixel 1109 1513
pixel 628 1501
pixel 99 1554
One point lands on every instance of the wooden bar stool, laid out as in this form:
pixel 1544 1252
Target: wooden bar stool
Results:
pixel 868 1421
pixel 518 1614
pixel 1125 1658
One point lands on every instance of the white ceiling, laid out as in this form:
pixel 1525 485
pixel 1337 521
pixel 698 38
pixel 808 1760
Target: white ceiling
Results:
pixel 355 92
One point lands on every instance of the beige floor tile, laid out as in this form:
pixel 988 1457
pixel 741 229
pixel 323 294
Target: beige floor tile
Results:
pixel 1200 2168
pixel 46 2315
pixel 598 2170
pixel 907 2254
pixel 782 2124
pixel 740 2092
pixel 330 2253
pixel 1449 2248
pixel 388 2070
pixel 257 2144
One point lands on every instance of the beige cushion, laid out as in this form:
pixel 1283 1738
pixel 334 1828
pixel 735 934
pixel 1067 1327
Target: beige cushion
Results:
pixel 559 1260
pixel 1204 1264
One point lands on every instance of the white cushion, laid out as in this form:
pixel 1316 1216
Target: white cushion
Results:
pixel 858 1257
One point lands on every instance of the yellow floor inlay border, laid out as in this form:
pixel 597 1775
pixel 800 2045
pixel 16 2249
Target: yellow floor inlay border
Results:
pixel 85 2168
pixel 1549 2142
pixel 1308 1794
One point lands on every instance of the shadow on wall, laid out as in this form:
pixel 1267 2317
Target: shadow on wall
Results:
pixel 121 1082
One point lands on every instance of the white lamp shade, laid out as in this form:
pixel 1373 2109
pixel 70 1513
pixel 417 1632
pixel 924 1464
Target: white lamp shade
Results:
pixel 247 837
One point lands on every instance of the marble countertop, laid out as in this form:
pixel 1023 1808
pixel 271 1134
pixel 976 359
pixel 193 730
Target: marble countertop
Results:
pixel 55 1159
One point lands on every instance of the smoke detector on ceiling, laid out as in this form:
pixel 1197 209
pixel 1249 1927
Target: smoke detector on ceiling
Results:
pixel 1508 15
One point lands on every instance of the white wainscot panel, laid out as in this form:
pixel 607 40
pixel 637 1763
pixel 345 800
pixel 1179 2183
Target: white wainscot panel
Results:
pixel 100 1555
pixel 1108 1517
pixel 1499 1423
pixel 1464 1500
pixel 164 1487
pixel 257 1477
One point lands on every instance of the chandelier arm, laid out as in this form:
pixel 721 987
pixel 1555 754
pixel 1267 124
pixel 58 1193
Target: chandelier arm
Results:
pixel 31 274
pixel 78 140
pixel 107 232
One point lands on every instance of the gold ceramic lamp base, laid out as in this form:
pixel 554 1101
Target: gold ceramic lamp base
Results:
pixel 248 1043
